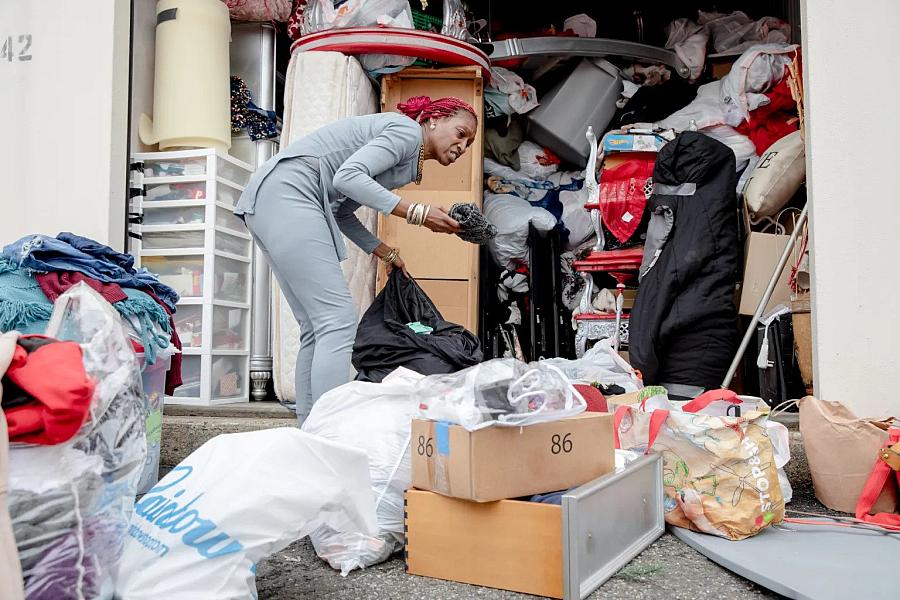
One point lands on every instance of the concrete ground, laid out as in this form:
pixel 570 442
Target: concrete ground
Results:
pixel 667 569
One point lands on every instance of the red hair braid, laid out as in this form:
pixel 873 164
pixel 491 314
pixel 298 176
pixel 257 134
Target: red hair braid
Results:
pixel 422 108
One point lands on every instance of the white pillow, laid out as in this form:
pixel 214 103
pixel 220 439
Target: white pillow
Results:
pixel 777 176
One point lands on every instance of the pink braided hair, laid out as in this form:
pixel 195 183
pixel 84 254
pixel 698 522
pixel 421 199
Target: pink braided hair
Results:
pixel 422 108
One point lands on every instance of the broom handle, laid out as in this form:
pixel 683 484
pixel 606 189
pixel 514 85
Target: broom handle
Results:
pixel 779 268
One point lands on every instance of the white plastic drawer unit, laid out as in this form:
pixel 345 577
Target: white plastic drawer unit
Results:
pixel 230 328
pixel 196 165
pixel 169 239
pixel 213 379
pixel 189 325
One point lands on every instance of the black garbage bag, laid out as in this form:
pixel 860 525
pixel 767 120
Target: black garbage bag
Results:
pixel 403 328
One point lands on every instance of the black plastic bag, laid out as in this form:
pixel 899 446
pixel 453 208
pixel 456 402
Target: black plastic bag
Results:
pixel 386 340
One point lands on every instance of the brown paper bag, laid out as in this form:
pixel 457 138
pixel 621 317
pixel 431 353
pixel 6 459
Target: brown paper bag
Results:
pixel 841 450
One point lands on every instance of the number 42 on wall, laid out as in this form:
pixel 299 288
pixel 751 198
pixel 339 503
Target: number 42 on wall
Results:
pixel 10 50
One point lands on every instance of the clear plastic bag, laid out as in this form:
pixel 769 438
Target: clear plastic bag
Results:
pixel 455 24
pixel 71 503
pixel 375 418
pixel 499 392
pixel 326 14
pixel 600 364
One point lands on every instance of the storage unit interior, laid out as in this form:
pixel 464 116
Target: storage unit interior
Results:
pixel 470 296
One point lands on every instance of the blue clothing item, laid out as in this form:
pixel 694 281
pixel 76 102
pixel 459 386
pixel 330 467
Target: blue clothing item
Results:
pixel 25 308
pixel 550 497
pixel 359 160
pixel 70 252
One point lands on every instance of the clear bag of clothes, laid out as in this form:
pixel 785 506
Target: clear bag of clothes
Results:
pixel 321 15
pixel 71 503
pixel 499 392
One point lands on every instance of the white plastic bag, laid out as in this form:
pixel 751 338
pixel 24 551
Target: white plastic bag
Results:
pixel 71 503
pixel 320 15
pixel 600 364
pixel 455 25
pixel 575 217
pixel 199 533
pixel 375 418
pixel 522 97
pixel 757 71
pixel 499 392
pixel 511 216
pixel 535 162
pixel 689 41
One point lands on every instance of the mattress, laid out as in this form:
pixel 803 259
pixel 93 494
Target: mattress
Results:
pixel 321 87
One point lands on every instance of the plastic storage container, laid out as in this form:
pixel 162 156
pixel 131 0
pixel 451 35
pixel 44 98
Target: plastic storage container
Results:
pixel 153 378
pixel 585 98
pixel 189 325
pixel 191 240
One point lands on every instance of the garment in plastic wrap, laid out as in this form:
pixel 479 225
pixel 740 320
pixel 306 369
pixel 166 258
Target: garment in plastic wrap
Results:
pixel 199 533
pixel 536 162
pixel 71 503
pixel 600 364
pixel 576 218
pixel 689 41
pixel 375 418
pixel 259 10
pixel 756 72
pixel 512 95
pixel 503 392
pixel 732 33
pixel 321 15
pixel 455 25
pixel 512 215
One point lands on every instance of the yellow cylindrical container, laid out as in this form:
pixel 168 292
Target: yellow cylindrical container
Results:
pixel 191 91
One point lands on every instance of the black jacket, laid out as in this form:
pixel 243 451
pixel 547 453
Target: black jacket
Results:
pixel 683 326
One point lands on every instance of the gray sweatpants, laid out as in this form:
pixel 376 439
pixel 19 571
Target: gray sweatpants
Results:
pixel 289 227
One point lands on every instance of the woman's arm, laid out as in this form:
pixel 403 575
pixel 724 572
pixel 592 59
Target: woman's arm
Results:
pixel 355 177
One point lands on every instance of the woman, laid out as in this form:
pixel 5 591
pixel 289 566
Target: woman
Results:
pixel 299 203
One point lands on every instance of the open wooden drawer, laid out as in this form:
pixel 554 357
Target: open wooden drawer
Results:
pixel 558 551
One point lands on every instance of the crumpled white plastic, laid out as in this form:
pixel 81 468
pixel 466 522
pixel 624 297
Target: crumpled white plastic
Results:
pixel 374 418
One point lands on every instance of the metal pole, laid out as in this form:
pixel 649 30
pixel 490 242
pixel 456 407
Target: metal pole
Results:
pixel 779 268
pixel 261 340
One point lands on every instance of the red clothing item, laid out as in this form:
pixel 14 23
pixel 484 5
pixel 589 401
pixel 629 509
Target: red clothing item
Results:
pixel 771 122
pixel 53 374
pixel 173 375
pixel 596 402
pixel 56 283
pixel 622 197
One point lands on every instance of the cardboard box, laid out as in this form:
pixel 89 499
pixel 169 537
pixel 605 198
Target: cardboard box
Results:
pixel 802 322
pixel 761 256
pixel 511 462
pixel 558 551
pixel 613 402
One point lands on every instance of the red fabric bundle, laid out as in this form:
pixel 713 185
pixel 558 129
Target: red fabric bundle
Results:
pixel 53 374
pixel 773 121
pixel 622 196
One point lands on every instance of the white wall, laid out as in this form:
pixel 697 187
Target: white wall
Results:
pixel 853 140
pixel 64 156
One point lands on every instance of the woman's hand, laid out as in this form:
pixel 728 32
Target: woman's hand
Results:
pixel 397 264
pixel 382 251
pixel 440 222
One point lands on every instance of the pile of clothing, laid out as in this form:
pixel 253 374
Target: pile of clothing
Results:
pixel 750 108
pixel 37 269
